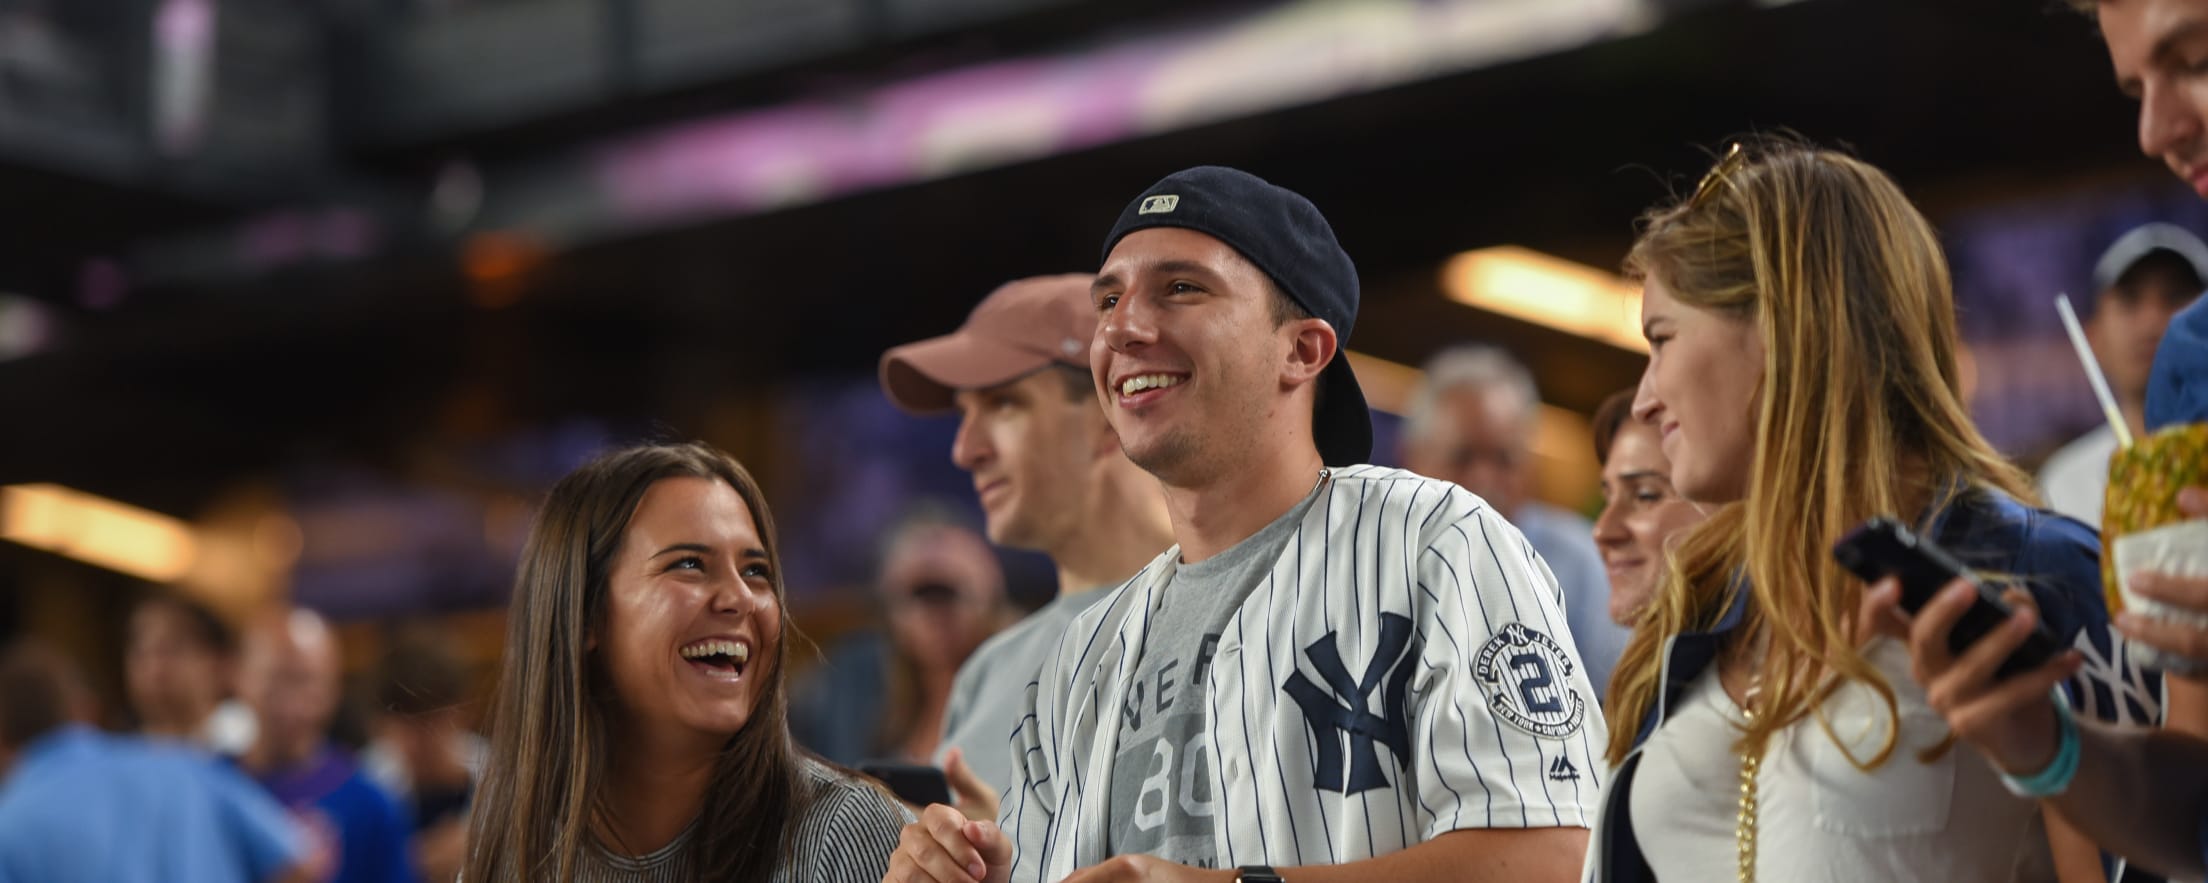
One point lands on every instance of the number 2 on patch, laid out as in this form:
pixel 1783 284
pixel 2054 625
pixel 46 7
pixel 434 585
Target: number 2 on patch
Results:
pixel 1533 677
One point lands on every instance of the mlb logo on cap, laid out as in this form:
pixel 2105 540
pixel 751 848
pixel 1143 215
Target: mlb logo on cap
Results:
pixel 1157 205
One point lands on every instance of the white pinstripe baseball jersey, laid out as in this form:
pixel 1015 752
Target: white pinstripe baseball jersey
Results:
pixel 1402 671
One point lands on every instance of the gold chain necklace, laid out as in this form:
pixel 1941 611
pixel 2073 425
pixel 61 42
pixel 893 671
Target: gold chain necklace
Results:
pixel 1744 829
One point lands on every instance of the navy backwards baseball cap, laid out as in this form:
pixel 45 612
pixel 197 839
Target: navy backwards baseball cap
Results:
pixel 1284 235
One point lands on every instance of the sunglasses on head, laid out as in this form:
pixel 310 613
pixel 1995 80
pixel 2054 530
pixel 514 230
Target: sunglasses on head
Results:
pixel 1720 174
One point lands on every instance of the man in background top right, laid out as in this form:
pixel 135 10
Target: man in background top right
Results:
pixel 2140 793
pixel 2146 276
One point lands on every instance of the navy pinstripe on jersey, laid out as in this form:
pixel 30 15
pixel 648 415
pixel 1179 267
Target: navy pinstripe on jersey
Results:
pixel 1381 548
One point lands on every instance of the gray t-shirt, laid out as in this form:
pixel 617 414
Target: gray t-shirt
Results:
pixel 1161 780
pixel 986 697
pixel 845 836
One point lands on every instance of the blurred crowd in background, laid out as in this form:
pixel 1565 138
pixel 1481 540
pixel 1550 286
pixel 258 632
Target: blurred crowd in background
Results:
pixel 304 305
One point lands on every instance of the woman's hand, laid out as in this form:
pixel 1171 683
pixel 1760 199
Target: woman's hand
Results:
pixel 2012 721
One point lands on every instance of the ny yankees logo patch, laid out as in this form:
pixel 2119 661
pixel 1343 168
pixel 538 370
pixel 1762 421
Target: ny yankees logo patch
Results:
pixel 1345 714
pixel 1527 678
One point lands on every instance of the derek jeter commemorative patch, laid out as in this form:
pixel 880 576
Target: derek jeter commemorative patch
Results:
pixel 1527 678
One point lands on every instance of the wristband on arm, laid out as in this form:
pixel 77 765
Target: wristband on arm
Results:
pixel 2055 778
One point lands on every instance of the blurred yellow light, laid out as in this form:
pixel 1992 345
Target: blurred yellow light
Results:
pixel 1548 290
pixel 98 531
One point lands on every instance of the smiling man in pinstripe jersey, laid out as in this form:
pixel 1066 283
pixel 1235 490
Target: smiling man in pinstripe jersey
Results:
pixel 1340 672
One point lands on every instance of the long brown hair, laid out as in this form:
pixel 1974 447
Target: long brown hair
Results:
pixel 1861 413
pixel 540 803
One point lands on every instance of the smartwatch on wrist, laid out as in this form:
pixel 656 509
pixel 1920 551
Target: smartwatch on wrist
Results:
pixel 1258 874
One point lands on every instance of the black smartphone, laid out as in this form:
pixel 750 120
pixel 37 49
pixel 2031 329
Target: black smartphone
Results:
pixel 912 783
pixel 1883 547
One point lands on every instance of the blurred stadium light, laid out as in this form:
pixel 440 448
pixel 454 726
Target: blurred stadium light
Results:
pixel 98 531
pixel 1547 290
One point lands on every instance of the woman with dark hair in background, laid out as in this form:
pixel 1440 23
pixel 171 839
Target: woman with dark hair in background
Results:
pixel 1641 511
pixel 638 729
pixel 943 594
pixel 881 696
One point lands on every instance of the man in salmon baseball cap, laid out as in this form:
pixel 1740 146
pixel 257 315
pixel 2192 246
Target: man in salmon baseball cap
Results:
pixel 1051 477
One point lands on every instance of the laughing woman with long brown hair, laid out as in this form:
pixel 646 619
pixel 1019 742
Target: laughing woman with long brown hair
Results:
pixel 638 730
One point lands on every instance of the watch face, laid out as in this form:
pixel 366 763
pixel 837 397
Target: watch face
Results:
pixel 1257 874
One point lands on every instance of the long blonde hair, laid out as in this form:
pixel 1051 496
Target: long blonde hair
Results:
pixel 1860 413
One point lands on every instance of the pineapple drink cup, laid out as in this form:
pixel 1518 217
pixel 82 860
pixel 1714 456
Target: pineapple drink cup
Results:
pixel 2141 524
pixel 2145 531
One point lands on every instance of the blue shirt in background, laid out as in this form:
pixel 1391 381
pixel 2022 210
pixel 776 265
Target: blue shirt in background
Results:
pixel 82 805
pixel 2177 386
pixel 365 828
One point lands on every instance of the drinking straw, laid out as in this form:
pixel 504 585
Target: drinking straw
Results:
pixel 2093 370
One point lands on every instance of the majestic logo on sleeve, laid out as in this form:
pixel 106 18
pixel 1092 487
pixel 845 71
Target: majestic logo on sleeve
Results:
pixel 1345 714
pixel 1527 678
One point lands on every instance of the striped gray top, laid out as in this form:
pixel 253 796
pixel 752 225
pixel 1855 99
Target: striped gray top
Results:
pixel 846 837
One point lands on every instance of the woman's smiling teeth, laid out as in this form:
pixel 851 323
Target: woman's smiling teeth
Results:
pixel 718 653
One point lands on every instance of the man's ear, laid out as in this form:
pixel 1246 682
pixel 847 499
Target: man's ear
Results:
pixel 1311 347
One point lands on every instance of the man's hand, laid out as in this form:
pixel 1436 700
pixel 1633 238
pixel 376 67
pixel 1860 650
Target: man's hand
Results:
pixel 1147 869
pixel 2011 722
pixel 945 846
pixel 975 797
pixel 2190 641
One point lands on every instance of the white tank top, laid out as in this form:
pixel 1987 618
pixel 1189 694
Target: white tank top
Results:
pixel 1820 817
